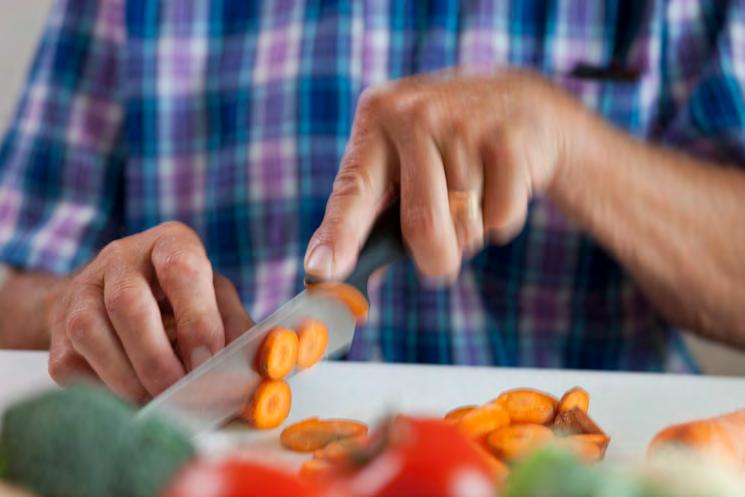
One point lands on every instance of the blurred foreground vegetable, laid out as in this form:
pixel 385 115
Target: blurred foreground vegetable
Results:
pixel 84 442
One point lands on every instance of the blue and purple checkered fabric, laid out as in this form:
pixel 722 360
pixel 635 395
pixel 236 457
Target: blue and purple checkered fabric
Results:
pixel 232 115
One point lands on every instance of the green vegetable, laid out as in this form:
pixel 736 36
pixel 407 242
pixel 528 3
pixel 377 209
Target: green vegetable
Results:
pixel 84 442
pixel 551 473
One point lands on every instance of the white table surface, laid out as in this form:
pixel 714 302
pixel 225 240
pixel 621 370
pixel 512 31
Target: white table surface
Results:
pixel 630 407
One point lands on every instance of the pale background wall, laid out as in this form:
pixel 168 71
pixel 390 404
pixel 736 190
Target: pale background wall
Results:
pixel 19 30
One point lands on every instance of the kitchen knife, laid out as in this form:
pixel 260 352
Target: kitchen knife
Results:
pixel 217 390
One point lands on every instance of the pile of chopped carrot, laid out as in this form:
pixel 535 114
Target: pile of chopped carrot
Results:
pixel 504 430
pixel 282 350
pixel 520 421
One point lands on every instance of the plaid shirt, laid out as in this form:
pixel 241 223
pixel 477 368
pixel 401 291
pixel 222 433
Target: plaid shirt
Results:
pixel 232 116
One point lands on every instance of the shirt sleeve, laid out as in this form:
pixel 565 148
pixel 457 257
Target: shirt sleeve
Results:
pixel 704 78
pixel 61 162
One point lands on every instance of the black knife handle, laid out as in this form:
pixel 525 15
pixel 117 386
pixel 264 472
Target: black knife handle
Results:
pixel 384 245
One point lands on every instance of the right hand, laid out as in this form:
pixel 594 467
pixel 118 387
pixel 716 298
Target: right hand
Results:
pixel 147 309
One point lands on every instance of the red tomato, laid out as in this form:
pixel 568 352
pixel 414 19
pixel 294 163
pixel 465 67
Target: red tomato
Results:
pixel 237 478
pixel 423 458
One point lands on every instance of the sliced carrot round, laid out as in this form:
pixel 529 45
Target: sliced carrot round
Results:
pixel 576 397
pixel 514 442
pixel 527 406
pixel 312 434
pixel 590 447
pixel 353 298
pixel 313 337
pixel 278 354
pixel 269 405
pixel 497 467
pixel 457 413
pixel 340 451
pixel 482 420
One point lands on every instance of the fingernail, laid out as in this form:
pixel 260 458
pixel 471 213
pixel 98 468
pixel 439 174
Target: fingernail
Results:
pixel 199 355
pixel 320 262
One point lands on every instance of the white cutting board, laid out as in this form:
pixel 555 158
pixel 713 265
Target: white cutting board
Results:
pixel 630 407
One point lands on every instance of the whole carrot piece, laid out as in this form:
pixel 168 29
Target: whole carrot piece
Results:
pixel 722 436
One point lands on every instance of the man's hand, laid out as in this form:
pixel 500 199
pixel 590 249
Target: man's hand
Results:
pixel 142 313
pixel 465 154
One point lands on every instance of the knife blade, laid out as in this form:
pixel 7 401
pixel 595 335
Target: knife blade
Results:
pixel 217 390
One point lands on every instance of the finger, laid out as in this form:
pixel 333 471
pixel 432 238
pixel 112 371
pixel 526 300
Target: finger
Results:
pixel 506 189
pixel 463 171
pixel 65 364
pixel 361 190
pixel 185 275
pixel 93 337
pixel 425 215
pixel 235 319
pixel 135 315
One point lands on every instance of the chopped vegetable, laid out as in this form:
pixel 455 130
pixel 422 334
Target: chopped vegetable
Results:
pixel 237 478
pixel 85 442
pixel 457 413
pixel 589 447
pixel 483 420
pixel 312 434
pixel 313 337
pixel 575 398
pixel 278 354
pixel 721 436
pixel 316 470
pixel 270 404
pixel 354 300
pixel 340 451
pixel 527 406
pixel 514 442
pixel 575 421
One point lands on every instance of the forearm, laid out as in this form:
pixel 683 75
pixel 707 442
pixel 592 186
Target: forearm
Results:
pixel 676 223
pixel 24 298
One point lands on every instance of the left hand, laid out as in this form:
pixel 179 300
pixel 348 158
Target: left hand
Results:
pixel 464 153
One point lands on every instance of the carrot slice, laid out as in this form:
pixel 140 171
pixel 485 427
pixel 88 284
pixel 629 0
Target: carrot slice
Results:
pixel 482 420
pixel 269 405
pixel 590 447
pixel 354 300
pixel 278 354
pixel 721 436
pixel 340 451
pixel 312 434
pixel 575 397
pixel 576 422
pixel 514 442
pixel 498 469
pixel 527 406
pixel 456 414
pixel 313 337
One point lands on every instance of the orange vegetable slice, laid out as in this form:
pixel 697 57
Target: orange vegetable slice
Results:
pixel 341 451
pixel 512 443
pixel 354 300
pixel 527 406
pixel 576 397
pixel 482 420
pixel 497 467
pixel 590 447
pixel 313 337
pixel 278 354
pixel 312 434
pixel 457 413
pixel 576 422
pixel 269 405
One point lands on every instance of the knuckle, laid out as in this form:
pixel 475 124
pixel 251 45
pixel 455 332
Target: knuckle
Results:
pixel 60 363
pixel 113 251
pixel 371 101
pixel 420 112
pixel 184 263
pixel 79 325
pixel 353 180
pixel 124 299
pixel 175 228
pixel 200 327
